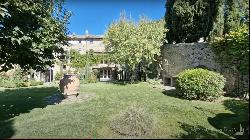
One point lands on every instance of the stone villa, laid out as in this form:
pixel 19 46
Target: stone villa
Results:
pixel 176 58
pixel 81 43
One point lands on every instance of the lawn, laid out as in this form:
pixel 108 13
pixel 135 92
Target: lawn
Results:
pixel 23 114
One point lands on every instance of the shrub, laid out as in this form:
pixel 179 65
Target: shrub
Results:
pixel 92 78
pixel 40 82
pixel 81 76
pixel 15 78
pixel 35 83
pixel 2 80
pixel 58 76
pixel 133 122
pixel 200 84
pixel 22 84
pixel 7 84
pixel 96 72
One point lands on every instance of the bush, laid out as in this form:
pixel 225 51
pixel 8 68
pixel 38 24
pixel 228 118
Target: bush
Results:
pixel 135 121
pixel 200 84
pixel 7 84
pixel 58 76
pixel 35 83
pixel 40 82
pixel 92 79
pixel 15 78
pixel 2 80
pixel 22 84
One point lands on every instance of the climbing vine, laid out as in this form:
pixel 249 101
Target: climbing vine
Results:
pixel 79 61
pixel 232 52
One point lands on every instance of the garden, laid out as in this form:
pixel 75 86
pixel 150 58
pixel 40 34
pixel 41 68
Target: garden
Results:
pixel 17 78
pixel 113 111
pixel 200 106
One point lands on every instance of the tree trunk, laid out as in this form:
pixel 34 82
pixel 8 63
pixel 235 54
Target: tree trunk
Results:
pixel 132 76
pixel 140 72
pixel 145 77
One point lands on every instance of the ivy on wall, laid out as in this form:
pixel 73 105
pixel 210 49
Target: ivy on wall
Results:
pixel 232 52
pixel 79 61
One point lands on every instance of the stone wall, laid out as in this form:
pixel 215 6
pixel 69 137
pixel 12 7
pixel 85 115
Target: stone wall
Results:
pixel 178 57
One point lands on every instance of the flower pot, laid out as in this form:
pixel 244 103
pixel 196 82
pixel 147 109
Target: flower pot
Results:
pixel 69 85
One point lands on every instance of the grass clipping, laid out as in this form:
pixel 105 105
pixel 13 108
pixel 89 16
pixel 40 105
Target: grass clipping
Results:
pixel 133 122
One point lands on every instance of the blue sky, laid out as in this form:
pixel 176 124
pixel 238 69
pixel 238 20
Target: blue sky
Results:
pixel 96 15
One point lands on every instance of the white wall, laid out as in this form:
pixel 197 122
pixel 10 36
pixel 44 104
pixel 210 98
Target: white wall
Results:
pixel 74 42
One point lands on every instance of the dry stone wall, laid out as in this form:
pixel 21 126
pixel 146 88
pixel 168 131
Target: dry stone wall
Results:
pixel 178 57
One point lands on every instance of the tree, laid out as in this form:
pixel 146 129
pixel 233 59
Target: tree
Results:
pixel 235 14
pixel 190 20
pixel 31 33
pixel 83 62
pixel 135 45
pixel 79 61
pixel 232 52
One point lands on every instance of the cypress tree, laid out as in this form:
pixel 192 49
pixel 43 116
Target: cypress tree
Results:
pixel 189 20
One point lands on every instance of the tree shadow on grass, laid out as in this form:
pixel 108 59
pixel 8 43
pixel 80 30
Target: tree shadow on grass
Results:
pixel 227 123
pixel 172 93
pixel 234 122
pixel 14 102
pixel 200 132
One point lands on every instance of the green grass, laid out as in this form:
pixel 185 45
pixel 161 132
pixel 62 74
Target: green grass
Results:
pixel 24 115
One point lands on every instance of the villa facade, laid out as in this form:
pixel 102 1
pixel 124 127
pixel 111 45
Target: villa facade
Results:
pixel 82 44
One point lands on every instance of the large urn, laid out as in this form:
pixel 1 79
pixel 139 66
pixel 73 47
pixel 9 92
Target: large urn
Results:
pixel 69 85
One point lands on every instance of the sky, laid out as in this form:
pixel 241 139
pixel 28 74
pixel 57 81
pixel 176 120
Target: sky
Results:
pixel 96 15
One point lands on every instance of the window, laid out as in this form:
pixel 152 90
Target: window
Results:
pixel 109 73
pixel 105 73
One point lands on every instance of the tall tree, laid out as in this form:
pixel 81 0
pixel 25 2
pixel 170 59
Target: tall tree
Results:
pixel 189 20
pixel 31 33
pixel 135 44
pixel 235 14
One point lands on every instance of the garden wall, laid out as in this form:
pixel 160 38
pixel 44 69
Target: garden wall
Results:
pixel 178 57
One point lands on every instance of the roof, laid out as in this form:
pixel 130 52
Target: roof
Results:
pixel 85 36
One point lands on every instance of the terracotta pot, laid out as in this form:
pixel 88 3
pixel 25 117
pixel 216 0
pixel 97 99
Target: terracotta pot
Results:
pixel 69 85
